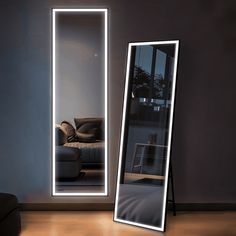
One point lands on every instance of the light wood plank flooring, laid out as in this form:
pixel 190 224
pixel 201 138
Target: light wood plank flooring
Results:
pixel 100 223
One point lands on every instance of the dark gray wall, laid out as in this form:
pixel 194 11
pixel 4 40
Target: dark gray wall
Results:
pixel 80 76
pixel 204 134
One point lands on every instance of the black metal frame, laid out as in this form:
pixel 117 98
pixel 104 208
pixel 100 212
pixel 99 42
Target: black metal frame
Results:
pixel 170 171
pixel 171 179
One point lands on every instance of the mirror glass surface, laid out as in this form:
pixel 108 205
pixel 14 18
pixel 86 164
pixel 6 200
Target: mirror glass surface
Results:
pixel 146 134
pixel 79 102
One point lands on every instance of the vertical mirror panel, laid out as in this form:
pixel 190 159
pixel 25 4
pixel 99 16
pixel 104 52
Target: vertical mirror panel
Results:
pixel 79 102
pixel 146 134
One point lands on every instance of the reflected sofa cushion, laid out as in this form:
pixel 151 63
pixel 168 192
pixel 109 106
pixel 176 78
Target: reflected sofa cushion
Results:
pixel 88 132
pixel 60 136
pixel 69 131
pixel 86 138
pixel 92 126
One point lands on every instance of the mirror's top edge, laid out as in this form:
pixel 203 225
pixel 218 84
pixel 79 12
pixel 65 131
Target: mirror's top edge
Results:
pixel 154 42
pixel 79 9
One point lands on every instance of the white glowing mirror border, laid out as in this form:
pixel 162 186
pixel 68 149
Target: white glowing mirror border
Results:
pixel 54 14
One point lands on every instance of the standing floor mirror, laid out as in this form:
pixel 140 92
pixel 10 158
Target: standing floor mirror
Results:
pixel 79 122
pixel 145 145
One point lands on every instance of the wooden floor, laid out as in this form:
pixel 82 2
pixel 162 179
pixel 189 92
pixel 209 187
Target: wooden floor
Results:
pixel 101 223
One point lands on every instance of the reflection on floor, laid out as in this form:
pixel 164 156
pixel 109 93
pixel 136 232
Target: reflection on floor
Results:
pixel 146 179
pixel 91 180
pixel 81 189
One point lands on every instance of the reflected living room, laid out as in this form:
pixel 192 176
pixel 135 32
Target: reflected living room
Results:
pixel 79 103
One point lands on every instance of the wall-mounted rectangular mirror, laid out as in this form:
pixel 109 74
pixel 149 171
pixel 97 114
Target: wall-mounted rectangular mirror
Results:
pixel 79 162
pixel 142 181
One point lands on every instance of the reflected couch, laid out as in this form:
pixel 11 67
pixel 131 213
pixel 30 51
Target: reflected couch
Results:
pixel 87 136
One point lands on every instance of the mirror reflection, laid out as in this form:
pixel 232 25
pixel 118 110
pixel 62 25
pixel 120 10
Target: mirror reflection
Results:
pixel 146 133
pixel 80 102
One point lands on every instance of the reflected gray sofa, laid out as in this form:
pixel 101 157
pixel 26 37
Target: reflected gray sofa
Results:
pixel 87 136
pixel 68 163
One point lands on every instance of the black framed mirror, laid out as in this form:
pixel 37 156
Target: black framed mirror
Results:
pixel 145 145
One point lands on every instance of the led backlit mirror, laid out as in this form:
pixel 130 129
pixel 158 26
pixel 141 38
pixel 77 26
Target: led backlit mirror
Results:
pixel 79 102
pixel 146 134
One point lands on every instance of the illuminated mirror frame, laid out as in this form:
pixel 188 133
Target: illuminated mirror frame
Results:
pixel 124 118
pixel 54 54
